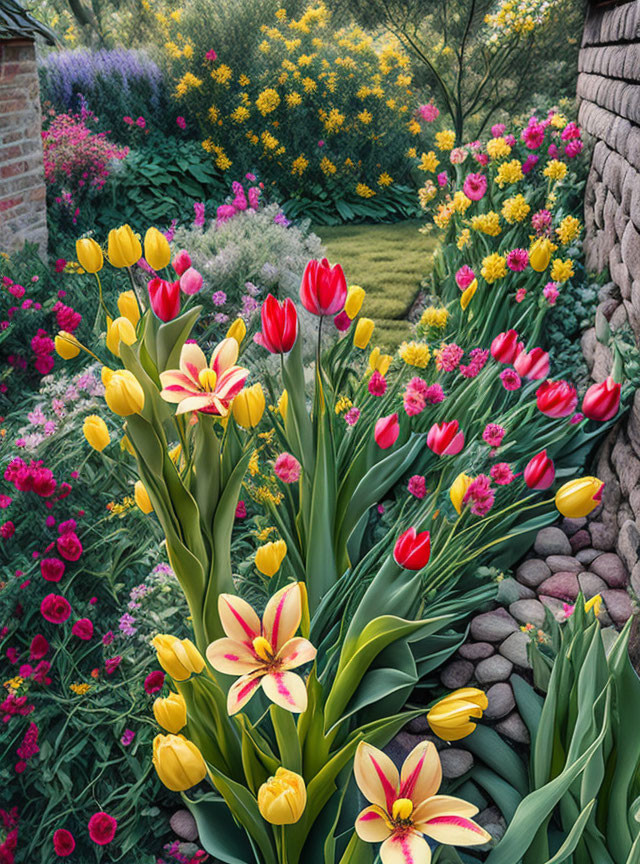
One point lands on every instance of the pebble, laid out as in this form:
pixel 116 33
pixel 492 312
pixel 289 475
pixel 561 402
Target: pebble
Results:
pixel 476 650
pixel 527 611
pixel 580 540
pixel 509 591
pixel 618 605
pixel 493 823
pixel 563 564
pixel 514 648
pixel 590 585
pixel 572 526
pixel 603 536
pixel 501 701
pixel 496 668
pixel 564 586
pixel 418 725
pixel 513 727
pixel 551 541
pixel 586 556
pixel 493 626
pixel 456 674
pixel 532 572
pixel 455 762
pixel 184 825
pixel 610 568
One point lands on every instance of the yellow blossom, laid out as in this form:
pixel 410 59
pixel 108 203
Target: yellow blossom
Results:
pixel 443 215
pixel 415 354
pixel 309 85
pixel 515 209
pixel 568 230
pixel 497 148
pixel 327 167
pixel 293 99
pixel 222 74
pixel 385 179
pixel 299 165
pixel 426 193
pixel 267 101
pixel 460 202
pixel 434 317
pixel 429 162
pixel 343 404
pixel 464 239
pixel 187 82
pixel 80 689
pixel 555 170
pixel 509 172
pixel 446 139
pixel 487 223
pixel 494 267
pixel 561 270
pixel 241 114
pixel 254 463
pixel 364 191
pixel 365 117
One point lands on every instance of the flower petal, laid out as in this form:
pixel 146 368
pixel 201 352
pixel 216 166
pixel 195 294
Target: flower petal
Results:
pixel 287 690
pixel 242 690
pixel 405 848
pixel 194 403
pixel 421 773
pixel 439 804
pixel 232 658
pixel 231 382
pixel 224 355
pixel 239 621
pixel 376 776
pixel 282 616
pixel 295 652
pixel 192 361
pixel 455 830
pixel 175 378
pixel 372 825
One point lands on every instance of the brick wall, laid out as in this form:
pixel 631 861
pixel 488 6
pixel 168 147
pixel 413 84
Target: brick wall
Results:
pixel 23 214
pixel 609 93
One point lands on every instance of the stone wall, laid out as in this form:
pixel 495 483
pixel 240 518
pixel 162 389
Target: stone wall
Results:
pixel 23 214
pixel 609 94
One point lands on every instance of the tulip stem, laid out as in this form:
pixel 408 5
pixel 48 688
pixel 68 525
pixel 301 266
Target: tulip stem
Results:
pixel 141 301
pixel 283 848
pixel 102 303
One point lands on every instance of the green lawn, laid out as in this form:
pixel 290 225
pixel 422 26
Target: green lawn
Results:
pixel 389 261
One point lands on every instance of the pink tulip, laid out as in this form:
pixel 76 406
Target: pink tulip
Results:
pixel 324 289
pixel 601 401
pixel 556 398
pixel 505 347
pixel 464 277
pixel 191 281
pixel 386 431
pixel 540 471
pixel 533 365
pixel 445 439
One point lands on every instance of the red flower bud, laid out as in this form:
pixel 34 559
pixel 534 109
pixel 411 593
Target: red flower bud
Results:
pixel 505 347
pixel 165 298
pixel 181 262
pixel 342 321
pixel 533 365
pixel 540 471
pixel 445 439
pixel 279 325
pixel 601 401
pixel 556 398
pixel 412 550
pixel 324 289
pixel 386 431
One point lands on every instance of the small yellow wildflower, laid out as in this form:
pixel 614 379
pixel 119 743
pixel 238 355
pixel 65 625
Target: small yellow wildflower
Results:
pixel 427 193
pixel 509 172
pixel 299 165
pixel 309 85
pixel 558 121
pixel 446 139
pixel 415 354
pixel 254 463
pixel 267 101
pixel 187 82
pixel 385 179
pixel 561 270
pixel 365 117
pixel 429 162
pixel 443 215
pixel 80 689
pixel 487 223
pixel 460 203
pixel 293 99
pixel 343 404
pixel 464 239
pixel 244 80
pixel 434 316
pixel 240 115
pixel 515 209
pixel 568 230
pixel 497 148
pixel 222 74
pixel 555 170
pixel 327 167
pixel 494 267
pixel 364 191
pixel 14 683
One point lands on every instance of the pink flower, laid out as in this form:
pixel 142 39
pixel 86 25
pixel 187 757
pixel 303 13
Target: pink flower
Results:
pixel 502 474
pixel 541 220
pixel 211 55
pixel 141 122
pixel 7 530
pixel 191 281
pixel 478 358
pixel 498 130
pixel 505 347
pixel 475 186
pixel 102 828
pixel 415 397
pixel 521 293
pixel 377 384
pixel 5 500
pixel 342 321
pixel 576 418
pixel 69 546
pixel 445 439
pixel 181 262
pixel 553 151
pixel 112 664
pixel 181 122
pixel 352 416
pixel 550 292
pixel 482 159
pixel 533 365
pixel 493 434
pixel 443 178
pixel 428 112
pixel 154 682
pixel 573 149
pixel 241 510
pixel 386 431
pixel 433 394
pixel 533 134
pixel 55 608
pixel 198 209
pixel 63 843
pixel 39 647
pixel 417 486
pixel 448 357
pixel 530 163
pixel 568 609
pixel 464 277
pixel 510 379
pixel 570 131
pixel 517 260
pixel 83 629
pixel 480 494
pixel 287 468
pixel 52 569
pixel 127 737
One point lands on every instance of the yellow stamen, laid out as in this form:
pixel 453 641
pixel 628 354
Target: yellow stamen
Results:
pixel 402 809
pixel 262 647
pixel 208 379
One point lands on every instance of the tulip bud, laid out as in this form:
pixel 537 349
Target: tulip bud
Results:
pixel 122 392
pixel 123 247
pixel 141 497
pixel 364 331
pixel 467 295
pixel 556 398
pixel 450 718
pixel 595 603
pixel 459 490
pixel 342 322
pixel 445 439
pixel 412 550
pixel 354 301
pixel 386 431
pixel 191 281
pixel 237 331
pixel 379 362
pixel 579 497
pixel 505 347
pixel 67 346
pixel 324 289
pixel 120 330
pixel 178 657
pixel 128 306
pixel 89 255
pixel 181 262
pixel 178 762
pixel 156 249
pixel 540 254
pixel 540 471
pixel 165 298
pixel 270 556
pixel 95 431
pixel 279 325
pixel 283 404
pixel 126 445
pixel 533 365
pixel 282 799
pixel 171 712
pixel 601 401
pixel 248 406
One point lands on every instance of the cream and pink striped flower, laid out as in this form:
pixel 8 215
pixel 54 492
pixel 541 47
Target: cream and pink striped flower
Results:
pixel 263 652
pixel 405 807
pixel 198 386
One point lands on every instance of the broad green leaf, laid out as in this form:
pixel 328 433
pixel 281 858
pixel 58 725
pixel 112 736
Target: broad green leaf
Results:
pixel 573 837
pixel 219 835
pixel 494 751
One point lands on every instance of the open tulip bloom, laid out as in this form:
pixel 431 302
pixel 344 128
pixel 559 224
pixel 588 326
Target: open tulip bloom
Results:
pixel 405 807
pixel 198 386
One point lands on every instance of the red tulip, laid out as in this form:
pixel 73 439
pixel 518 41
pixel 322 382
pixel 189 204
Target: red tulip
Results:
pixel 387 431
pixel 505 347
pixel 601 401
pixel 181 262
pixel 324 289
pixel 279 325
pixel 444 438
pixel 540 471
pixel 412 550
pixel 556 398
pixel 534 365
pixel 165 298
pixel 342 321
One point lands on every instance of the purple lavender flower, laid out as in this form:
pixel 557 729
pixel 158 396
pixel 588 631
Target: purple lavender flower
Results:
pixel 126 624
pixel 127 737
pixel 219 298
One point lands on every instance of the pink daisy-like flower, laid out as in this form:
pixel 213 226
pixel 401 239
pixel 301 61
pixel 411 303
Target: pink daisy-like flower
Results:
pixel 502 474
pixel 287 468
pixel 518 260
pixel 417 486
pixel 510 379
pixel 493 434
pixel 377 384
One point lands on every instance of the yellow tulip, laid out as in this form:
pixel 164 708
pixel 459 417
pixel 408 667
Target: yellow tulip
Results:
pixel 379 362
pixel 595 603
pixel 171 713
pixel 355 299
pixel 579 497
pixel 237 331
pixel 248 406
pixel 540 254
pixel 125 444
pixel 141 497
pixel 178 657
pixel 120 330
pixel 122 392
pixel 123 247
pixel 67 346
pixel 283 404
pixel 364 331
pixel 178 762
pixel 467 294
pixel 128 306
pixel 89 255
pixel 450 718
pixel 282 799
pixel 156 249
pixel 459 489
pixel 270 556
pixel 95 431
